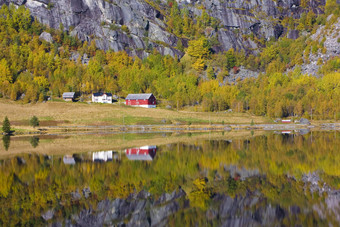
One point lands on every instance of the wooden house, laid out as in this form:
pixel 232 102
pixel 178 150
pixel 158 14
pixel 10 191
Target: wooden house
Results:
pixel 102 97
pixel 141 100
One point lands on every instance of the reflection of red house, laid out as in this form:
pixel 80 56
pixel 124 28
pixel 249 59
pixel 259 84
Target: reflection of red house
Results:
pixel 142 100
pixel 146 153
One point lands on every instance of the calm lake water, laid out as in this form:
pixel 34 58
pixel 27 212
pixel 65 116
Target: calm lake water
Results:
pixel 277 178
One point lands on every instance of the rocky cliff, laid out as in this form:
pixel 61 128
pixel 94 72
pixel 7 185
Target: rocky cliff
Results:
pixel 137 27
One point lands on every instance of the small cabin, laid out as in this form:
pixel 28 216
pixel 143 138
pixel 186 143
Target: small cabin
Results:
pixel 145 153
pixel 69 96
pixel 102 97
pixel 141 100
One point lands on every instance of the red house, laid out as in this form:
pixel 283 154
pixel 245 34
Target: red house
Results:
pixel 141 100
pixel 146 153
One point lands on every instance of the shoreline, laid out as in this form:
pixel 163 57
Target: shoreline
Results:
pixel 183 128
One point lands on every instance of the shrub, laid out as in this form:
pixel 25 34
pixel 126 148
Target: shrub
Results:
pixel 125 29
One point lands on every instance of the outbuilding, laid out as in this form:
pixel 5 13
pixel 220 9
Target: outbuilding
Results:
pixel 142 100
pixel 102 97
pixel 69 96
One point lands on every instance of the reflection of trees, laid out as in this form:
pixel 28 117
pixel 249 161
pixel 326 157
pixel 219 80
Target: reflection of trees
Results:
pixel 34 141
pixel 46 182
pixel 6 139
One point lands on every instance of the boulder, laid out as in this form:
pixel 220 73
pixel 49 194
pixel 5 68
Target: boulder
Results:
pixel 304 121
pixel 86 192
pixel 46 37
pixel 48 215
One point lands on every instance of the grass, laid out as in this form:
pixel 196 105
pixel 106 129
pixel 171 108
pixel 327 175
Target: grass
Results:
pixel 65 113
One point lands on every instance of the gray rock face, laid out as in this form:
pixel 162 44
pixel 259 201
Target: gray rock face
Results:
pixel 242 74
pixel 329 37
pixel 138 28
pixel 259 17
pixel 293 34
pixel 103 20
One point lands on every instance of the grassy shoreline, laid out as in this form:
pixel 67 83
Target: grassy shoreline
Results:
pixel 65 113
pixel 63 117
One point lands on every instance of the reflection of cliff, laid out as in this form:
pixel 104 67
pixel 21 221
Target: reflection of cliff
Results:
pixel 141 209
pixel 146 153
pixel 241 173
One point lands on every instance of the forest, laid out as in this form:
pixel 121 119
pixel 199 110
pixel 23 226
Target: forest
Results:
pixel 31 69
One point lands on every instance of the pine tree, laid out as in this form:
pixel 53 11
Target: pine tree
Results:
pixel 6 126
pixel 34 122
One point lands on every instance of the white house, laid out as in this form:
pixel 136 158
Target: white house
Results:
pixel 102 97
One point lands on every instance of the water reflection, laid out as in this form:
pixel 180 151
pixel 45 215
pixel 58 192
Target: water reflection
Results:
pixel 34 141
pixel 6 140
pixel 69 160
pixel 268 180
pixel 102 156
pixel 145 153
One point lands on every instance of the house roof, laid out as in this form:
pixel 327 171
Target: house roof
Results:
pixel 68 94
pixel 101 94
pixel 139 96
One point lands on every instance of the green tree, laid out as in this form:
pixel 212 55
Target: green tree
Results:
pixel 231 59
pixel 6 126
pixel 34 122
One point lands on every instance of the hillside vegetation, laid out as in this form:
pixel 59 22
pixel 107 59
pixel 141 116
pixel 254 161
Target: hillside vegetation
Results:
pixel 32 69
